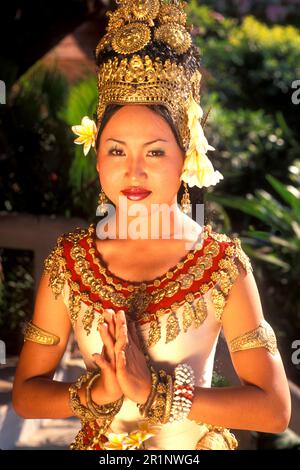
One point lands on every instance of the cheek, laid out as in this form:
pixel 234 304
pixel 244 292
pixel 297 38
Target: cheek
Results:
pixel 159 172
pixel 108 170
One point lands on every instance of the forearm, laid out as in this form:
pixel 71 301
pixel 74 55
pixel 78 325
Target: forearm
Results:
pixel 40 397
pixel 245 407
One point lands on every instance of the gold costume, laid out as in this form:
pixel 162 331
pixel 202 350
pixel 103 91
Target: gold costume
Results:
pixel 188 299
pixel 147 57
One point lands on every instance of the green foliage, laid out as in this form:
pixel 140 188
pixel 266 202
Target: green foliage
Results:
pixel 82 101
pixel 35 145
pixel 16 293
pixel 254 126
pixel 273 11
pixel 207 23
pixel 254 66
pixel 277 245
pixel 219 380
pixel 247 143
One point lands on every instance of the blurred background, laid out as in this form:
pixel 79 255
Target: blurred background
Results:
pixel 251 85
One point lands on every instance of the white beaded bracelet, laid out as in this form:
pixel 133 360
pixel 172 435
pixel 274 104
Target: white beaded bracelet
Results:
pixel 184 385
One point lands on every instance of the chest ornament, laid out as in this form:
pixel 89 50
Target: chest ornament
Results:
pixel 178 296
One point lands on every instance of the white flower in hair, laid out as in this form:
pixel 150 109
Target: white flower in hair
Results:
pixel 87 132
pixel 198 169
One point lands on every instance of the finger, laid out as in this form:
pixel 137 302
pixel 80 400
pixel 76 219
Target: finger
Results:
pixel 122 340
pixel 121 361
pixel 119 319
pixel 121 325
pixel 100 362
pixel 107 341
pixel 109 315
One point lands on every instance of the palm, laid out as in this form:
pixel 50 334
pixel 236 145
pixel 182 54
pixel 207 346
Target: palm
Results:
pixel 132 371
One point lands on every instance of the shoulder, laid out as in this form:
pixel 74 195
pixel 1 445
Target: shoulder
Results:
pixel 230 267
pixel 58 255
pixel 57 263
pixel 231 247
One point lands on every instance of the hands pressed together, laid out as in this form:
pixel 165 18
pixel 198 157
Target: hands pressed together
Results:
pixel 124 369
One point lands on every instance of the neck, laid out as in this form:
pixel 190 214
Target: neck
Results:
pixel 158 226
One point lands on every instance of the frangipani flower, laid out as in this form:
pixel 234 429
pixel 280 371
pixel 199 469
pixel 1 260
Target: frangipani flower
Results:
pixel 134 440
pixel 148 429
pixel 87 132
pixel 116 441
pixel 198 169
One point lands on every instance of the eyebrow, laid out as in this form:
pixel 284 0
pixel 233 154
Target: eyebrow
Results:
pixel 146 143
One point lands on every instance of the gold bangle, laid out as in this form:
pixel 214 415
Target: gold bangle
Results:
pixel 108 410
pixel 38 335
pixel 156 412
pixel 169 399
pixel 76 406
pixel 144 408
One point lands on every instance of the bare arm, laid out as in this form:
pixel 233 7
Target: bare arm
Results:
pixel 262 403
pixel 35 393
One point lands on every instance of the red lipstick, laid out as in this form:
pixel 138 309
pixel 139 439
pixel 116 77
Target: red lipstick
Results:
pixel 135 193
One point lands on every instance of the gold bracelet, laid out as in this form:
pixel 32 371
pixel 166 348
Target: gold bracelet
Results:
pixel 169 399
pixel 108 410
pixel 38 335
pixel 144 408
pixel 76 406
pixel 156 412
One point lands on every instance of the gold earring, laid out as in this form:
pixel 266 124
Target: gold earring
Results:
pixel 101 209
pixel 185 201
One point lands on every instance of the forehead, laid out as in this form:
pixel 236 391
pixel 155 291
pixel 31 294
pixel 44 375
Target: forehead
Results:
pixel 137 119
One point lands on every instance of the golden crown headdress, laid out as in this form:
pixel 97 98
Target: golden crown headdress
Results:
pixel 140 79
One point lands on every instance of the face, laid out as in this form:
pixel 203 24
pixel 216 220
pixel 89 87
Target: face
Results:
pixel 138 148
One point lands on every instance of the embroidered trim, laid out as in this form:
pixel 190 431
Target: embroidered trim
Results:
pixel 215 266
pixel 155 283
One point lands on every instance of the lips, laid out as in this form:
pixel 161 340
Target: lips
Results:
pixel 136 193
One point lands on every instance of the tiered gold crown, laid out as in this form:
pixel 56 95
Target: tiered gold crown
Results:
pixel 146 78
pixel 146 81
pixel 140 79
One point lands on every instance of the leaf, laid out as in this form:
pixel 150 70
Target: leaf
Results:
pixel 269 258
pixel 82 101
pixel 292 245
pixel 286 195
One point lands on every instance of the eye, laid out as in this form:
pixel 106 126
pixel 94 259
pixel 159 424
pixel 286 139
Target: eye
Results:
pixel 157 153
pixel 115 149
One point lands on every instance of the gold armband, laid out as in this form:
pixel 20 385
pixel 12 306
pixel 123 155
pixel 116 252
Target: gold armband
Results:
pixel 38 335
pixel 262 336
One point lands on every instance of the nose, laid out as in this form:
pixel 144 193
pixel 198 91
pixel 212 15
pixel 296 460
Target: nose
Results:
pixel 135 168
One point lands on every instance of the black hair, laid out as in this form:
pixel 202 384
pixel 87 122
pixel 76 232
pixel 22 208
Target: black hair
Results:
pixel 191 60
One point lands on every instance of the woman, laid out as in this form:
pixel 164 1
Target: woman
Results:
pixel 147 310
